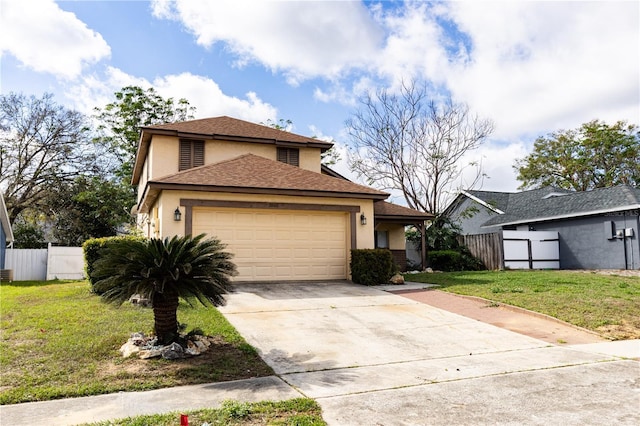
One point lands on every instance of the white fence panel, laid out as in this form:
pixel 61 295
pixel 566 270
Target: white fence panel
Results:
pixel 65 263
pixel 27 264
pixel 531 249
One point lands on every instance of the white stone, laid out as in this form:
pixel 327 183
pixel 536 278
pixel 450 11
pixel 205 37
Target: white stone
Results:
pixel 129 349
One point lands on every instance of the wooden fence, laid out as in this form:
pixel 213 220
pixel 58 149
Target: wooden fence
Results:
pixel 486 247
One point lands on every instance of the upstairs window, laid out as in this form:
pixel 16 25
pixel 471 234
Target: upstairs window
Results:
pixel 191 154
pixel 289 156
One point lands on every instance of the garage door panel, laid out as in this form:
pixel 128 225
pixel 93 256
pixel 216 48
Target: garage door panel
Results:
pixel 279 245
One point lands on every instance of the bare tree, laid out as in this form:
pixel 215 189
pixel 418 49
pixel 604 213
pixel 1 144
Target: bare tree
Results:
pixel 410 143
pixel 42 145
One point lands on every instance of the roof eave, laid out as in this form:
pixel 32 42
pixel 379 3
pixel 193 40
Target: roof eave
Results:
pixel 565 216
pixel 482 202
pixel 153 189
pixel 401 219
pixel 4 220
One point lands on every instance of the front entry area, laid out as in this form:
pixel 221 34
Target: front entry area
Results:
pixel 279 245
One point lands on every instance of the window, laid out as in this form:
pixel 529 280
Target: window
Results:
pixel 382 239
pixel 191 154
pixel 289 156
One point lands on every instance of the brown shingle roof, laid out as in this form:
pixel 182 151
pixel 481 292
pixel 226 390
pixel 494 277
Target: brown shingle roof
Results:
pixel 251 173
pixel 388 211
pixel 218 127
pixel 221 128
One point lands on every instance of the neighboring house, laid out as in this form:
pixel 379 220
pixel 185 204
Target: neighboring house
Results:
pixel 6 235
pixel 597 229
pixel 265 194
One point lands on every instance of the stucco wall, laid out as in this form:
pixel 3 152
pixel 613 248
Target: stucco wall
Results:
pixel 397 239
pixel 163 154
pixel 169 200
pixel 586 244
pixel 473 225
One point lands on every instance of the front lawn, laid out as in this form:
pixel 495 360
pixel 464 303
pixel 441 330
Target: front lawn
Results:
pixel 606 304
pixel 59 340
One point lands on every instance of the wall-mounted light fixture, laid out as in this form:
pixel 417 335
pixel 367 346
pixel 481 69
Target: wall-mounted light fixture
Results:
pixel 363 219
pixel 177 216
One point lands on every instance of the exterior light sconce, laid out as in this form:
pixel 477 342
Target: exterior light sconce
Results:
pixel 363 219
pixel 177 216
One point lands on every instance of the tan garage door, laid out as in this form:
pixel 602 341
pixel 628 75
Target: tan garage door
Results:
pixel 273 245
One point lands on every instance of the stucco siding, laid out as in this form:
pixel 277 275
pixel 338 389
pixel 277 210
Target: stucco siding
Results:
pixel 586 243
pixel 169 200
pixel 162 159
pixel 471 215
pixel 397 238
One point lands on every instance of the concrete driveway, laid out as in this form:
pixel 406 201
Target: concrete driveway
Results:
pixel 373 358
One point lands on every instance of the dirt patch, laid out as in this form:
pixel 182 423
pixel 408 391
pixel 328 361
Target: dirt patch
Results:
pixel 618 272
pixel 624 331
pixel 222 362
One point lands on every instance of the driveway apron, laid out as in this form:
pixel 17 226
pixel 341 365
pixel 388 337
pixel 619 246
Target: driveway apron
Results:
pixel 373 358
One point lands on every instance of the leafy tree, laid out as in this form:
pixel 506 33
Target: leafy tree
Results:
pixel 191 268
pixel 595 155
pixel 412 144
pixel 89 207
pixel 120 122
pixel 28 235
pixel 42 146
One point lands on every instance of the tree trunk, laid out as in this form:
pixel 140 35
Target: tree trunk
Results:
pixel 165 316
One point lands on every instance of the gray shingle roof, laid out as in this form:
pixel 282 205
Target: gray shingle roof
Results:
pixel 537 205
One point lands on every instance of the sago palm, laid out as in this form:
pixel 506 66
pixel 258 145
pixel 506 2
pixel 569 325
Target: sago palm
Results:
pixel 164 271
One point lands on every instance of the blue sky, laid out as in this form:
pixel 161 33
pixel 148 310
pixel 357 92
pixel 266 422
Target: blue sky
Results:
pixel 531 67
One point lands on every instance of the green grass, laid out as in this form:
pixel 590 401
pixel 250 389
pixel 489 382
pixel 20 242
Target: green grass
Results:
pixel 607 304
pixel 60 340
pixel 294 412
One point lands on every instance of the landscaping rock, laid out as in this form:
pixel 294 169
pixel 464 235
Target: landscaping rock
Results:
pixel 149 353
pixel 172 351
pixel 129 349
pixel 145 347
pixel 397 279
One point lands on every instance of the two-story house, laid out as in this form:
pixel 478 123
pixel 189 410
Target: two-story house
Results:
pixel 264 193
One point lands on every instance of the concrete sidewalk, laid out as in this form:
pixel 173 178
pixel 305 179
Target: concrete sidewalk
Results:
pixel 91 409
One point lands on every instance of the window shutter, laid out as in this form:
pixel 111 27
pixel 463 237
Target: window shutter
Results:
pixel 198 153
pixel 289 156
pixel 294 157
pixel 282 155
pixel 185 155
pixel 191 154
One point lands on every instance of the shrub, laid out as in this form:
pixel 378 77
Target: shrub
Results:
pixel 453 260
pixel 372 266
pixel 92 248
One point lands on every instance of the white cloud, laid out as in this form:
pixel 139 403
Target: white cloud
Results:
pixel 210 101
pixel 548 65
pixel 47 39
pixel 302 39
pixel 201 92
pixel 497 160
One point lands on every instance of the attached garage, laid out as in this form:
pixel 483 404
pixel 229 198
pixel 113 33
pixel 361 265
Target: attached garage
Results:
pixel 274 244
